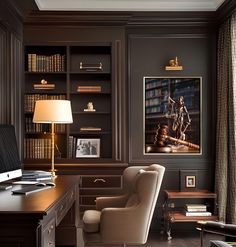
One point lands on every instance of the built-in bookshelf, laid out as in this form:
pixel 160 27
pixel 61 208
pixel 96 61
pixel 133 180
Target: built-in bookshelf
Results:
pixel 83 74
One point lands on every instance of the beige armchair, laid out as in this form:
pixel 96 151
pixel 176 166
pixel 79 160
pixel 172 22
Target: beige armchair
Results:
pixel 125 219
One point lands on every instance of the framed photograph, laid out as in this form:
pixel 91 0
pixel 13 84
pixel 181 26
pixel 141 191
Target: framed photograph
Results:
pixel 188 180
pixel 87 148
pixel 172 115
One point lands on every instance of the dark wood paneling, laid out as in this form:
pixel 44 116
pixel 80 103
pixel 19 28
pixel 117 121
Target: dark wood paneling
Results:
pixel 10 17
pixel 119 18
pixel 16 75
pixel 147 56
pixel 3 74
pixel 11 31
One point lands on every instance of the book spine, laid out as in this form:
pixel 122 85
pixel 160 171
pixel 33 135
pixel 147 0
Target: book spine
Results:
pixel 196 209
pixel 198 213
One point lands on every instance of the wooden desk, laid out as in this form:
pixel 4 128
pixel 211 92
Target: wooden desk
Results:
pixel 31 220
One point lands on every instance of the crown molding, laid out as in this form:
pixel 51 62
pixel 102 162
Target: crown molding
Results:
pixel 128 5
pixel 226 10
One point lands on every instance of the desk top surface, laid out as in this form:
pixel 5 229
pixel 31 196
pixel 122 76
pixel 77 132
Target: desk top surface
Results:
pixel 38 202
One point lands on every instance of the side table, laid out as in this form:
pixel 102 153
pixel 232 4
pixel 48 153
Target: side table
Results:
pixel 173 214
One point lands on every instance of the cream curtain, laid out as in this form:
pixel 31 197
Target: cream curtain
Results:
pixel 225 182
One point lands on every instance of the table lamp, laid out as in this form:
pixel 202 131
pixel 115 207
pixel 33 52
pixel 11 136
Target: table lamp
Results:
pixel 53 112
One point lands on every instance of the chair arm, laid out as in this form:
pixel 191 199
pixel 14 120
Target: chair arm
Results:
pixel 123 225
pixel 217 228
pixel 111 201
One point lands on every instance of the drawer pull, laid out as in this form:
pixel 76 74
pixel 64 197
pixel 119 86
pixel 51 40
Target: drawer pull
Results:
pixel 72 194
pixel 50 228
pixel 50 244
pixel 99 180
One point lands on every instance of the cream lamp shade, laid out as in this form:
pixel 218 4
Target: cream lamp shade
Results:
pixel 53 111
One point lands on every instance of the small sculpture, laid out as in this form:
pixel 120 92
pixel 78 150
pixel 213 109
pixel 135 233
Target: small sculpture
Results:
pixel 174 62
pixel 181 119
pixel 174 65
pixel 90 107
pixel 44 82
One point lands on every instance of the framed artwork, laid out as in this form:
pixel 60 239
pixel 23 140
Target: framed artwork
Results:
pixel 172 115
pixel 188 180
pixel 87 148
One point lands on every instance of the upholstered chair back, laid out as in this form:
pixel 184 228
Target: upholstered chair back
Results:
pixel 126 219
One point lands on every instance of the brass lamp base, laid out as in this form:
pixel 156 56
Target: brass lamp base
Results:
pixel 53 173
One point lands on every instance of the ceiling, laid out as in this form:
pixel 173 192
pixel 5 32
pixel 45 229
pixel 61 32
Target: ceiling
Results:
pixel 129 5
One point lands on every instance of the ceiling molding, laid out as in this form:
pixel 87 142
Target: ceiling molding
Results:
pixel 81 18
pixel 129 5
pixel 226 10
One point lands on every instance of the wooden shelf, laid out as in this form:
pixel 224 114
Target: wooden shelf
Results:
pixel 190 194
pixel 180 217
pixel 173 214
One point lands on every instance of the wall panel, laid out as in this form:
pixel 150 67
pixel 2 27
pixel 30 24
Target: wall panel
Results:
pixel 147 56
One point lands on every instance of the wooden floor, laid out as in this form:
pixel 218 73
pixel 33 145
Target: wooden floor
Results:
pixel 183 239
pixel 180 239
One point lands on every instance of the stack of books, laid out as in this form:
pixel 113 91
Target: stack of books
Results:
pixel 90 129
pixel 90 89
pixel 44 86
pixel 196 210
pixel 31 175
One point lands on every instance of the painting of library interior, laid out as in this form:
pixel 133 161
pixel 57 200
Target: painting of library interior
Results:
pixel 172 109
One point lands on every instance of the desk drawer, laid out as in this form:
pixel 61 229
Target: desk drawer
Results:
pixel 100 182
pixel 49 234
pixel 65 205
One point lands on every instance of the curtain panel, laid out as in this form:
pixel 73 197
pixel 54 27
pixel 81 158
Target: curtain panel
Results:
pixel 225 179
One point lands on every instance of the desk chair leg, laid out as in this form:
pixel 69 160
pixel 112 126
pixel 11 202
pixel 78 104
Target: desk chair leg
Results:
pixel 202 237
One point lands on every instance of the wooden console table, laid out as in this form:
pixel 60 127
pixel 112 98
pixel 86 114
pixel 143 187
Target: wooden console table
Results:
pixel 172 214
pixel 32 220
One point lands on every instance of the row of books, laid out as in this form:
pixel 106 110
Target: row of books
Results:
pixel 159 109
pixel 43 63
pixel 196 210
pixel 72 147
pixel 31 127
pixel 163 93
pixel 37 148
pixel 153 83
pixel 29 100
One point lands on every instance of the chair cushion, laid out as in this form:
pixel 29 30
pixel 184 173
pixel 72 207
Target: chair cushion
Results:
pixel 91 220
pixel 217 243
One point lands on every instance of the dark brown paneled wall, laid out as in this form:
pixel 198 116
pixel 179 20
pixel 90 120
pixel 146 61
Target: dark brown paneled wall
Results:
pixel 152 39
pixel 11 36
pixel 149 50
